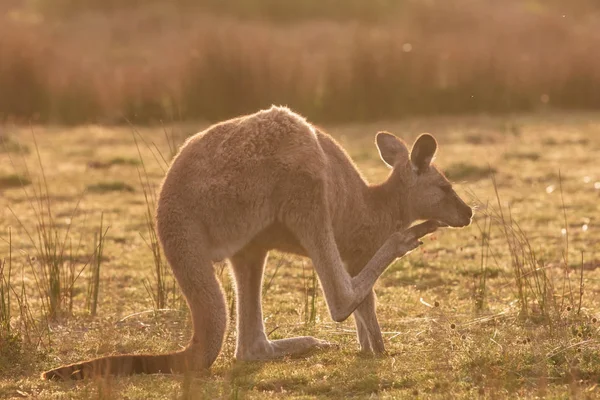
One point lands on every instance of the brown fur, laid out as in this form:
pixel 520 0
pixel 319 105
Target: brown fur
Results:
pixel 271 180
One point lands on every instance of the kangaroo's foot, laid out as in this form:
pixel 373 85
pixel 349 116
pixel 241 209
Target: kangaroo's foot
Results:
pixel 273 349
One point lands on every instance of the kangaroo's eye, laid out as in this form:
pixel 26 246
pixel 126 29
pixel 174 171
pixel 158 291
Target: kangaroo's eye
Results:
pixel 447 189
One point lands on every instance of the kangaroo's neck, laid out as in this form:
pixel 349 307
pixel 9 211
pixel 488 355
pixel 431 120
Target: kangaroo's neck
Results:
pixel 388 204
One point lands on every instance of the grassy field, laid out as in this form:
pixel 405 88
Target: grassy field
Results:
pixel 506 307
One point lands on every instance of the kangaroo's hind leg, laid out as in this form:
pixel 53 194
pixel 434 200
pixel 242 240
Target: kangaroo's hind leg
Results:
pixel 252 342
pixel 185 249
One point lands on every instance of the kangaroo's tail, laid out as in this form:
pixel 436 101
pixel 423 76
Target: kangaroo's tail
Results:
pixel 185 247
pixel 127 364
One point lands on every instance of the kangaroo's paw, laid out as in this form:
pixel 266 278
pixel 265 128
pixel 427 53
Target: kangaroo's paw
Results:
pixel 274 349
pixel 298 346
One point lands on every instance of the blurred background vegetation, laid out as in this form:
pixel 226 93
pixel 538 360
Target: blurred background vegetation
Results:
pixel 109 61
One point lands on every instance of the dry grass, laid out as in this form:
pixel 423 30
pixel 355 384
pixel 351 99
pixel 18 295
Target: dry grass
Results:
pixel 171 62
pixel 493 310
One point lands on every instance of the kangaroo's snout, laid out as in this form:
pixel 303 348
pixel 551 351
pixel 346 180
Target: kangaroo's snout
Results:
pixel 466 215
pixel 460 216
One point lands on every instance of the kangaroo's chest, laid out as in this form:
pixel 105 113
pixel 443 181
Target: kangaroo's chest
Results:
pixel 277 237
pixel 356 245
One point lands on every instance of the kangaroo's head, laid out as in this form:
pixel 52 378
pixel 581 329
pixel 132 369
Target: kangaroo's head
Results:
pixel 427 192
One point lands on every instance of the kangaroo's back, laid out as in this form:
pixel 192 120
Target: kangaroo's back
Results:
pixel 237 177
pixel 242 146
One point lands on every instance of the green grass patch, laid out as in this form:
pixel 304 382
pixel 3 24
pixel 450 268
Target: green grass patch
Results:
pixel 467 172
pixel 125 161
pixel 117 161
pixel 13 181
pixel 114 186
pixel 530 156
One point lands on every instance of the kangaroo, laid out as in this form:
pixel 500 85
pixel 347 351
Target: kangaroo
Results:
pixel 271 180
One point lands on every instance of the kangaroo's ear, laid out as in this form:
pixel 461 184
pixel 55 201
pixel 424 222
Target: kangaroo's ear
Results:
pixel 423 152
pixel 391 149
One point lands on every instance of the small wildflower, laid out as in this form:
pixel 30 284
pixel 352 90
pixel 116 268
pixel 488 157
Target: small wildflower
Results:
pixel 568 308
pixel 452 326
pixel 594 320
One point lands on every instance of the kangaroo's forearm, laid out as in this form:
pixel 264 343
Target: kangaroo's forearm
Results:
pixel 363 283
pixel 396 246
